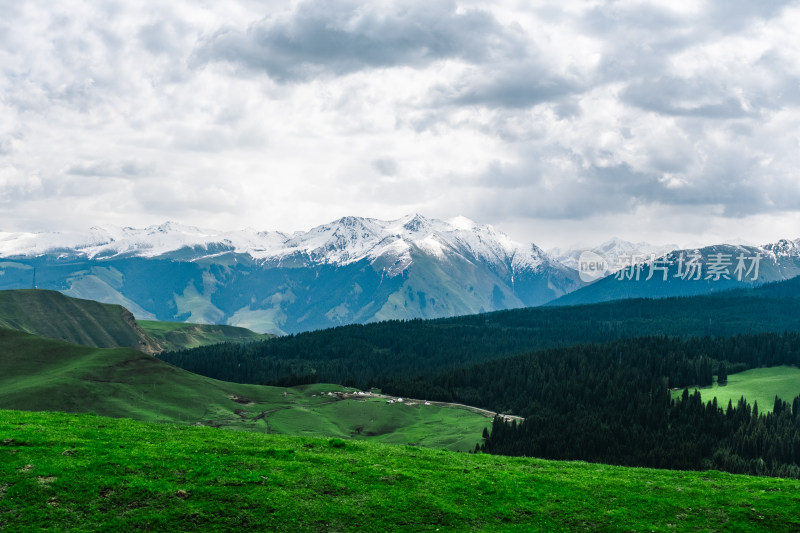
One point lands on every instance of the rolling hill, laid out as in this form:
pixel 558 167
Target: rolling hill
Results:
pixel 39 374
pixel 182 335
pixel 52 315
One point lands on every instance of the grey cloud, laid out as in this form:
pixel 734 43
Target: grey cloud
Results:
pixel 158 38
pixel 529 189
pixel 679 97
pixel 608 18
pixel 115 169
pixel 532 187
pixel 339 37
pixel 519 85
pixel 733 15
pixel 386 166
pixel 536 188
pixel 568 108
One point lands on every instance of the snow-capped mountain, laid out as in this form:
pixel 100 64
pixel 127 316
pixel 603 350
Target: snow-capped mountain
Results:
pixel 784 248
pixel 694 271
pixel 618 253
pixel 350 270
pixel 344 241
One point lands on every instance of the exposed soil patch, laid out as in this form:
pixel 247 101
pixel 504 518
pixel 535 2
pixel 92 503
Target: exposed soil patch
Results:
pixel 241 400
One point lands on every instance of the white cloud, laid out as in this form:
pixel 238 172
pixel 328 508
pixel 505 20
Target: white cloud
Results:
pixel 531 116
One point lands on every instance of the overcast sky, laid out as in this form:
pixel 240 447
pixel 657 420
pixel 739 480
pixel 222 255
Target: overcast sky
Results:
pixel 556 122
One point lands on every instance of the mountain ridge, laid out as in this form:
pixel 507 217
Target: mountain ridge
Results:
pixel 685 272
pixel 343 241
pixel 352 270
pixel 53 315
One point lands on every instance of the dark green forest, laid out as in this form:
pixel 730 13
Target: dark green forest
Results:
pixel 611 403
pixel 685 434
pixel 592 382
pixel 366 355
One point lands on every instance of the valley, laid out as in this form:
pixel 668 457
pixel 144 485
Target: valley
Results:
pixel 337 266
pixel 44 375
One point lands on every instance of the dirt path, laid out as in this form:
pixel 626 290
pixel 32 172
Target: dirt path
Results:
pixel 413 401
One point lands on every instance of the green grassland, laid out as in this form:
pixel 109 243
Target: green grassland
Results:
pixel 52 315
pixel 63 472
pixel 55 316
pixel 45 375
pixel 180 335
pixel 757 385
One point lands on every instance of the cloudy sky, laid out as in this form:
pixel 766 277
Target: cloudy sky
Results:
pixel 559 123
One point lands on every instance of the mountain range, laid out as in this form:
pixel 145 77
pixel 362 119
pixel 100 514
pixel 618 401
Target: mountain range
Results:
pixel 687 272
pixel 615 251
pixel 353 270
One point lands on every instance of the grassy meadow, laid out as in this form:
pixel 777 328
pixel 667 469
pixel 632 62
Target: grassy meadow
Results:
pixel 66 472
pixel 181 335
pixel 757 385
pixel 45 375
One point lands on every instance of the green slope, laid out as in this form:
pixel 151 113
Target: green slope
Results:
pixel 51 314
pixel 757 385
pixel 81 472
pixel 181 335
pixel 55 316
pixel 47 375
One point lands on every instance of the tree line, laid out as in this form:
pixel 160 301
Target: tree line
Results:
pixel 366 355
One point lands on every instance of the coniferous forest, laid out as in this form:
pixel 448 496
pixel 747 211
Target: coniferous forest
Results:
pixel 363 355
pixel 611 403
pixel 592 383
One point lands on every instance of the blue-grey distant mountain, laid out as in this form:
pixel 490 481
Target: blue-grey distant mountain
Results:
pixel 690 272
pixel 615 251
pixel 353 270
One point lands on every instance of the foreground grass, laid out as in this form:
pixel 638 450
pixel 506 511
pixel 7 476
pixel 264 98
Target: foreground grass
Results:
pixel 758 384
pixel 83 472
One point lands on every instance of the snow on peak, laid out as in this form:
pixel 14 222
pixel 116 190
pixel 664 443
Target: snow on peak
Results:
pixel 346 240
pixel 783 248
pixel 617 252
pixel 417 224
pixel 461 222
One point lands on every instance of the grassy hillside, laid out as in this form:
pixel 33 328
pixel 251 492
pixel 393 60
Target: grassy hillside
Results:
pixel 42 374
pixel 180 335
pixel 55 316
pixel 82 472
pixel 757 385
